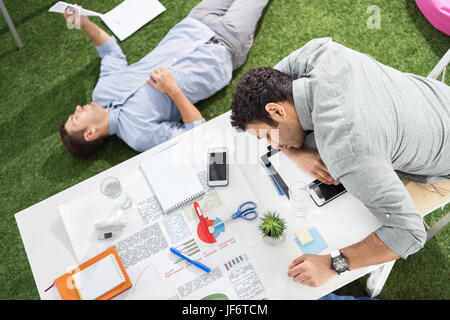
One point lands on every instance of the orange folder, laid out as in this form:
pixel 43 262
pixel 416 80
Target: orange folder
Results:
pixel 66 285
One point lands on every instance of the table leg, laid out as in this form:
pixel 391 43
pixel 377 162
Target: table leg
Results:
pixel 10 25
pixel 378 278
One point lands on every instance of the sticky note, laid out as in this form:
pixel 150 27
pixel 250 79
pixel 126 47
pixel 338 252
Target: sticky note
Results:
pixel 315 246
pixel 303 235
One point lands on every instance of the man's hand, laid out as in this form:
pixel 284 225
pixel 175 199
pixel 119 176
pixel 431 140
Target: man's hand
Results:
pixel 311 270
pixel 162 80
pixel 309 160
pixel 74 18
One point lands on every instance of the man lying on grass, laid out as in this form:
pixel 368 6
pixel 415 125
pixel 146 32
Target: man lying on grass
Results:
pixel 193 61
pixel 372 125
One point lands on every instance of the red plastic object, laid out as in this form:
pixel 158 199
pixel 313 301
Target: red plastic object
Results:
pixel 202 228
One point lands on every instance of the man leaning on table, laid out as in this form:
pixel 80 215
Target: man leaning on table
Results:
pixel 377 130
pixel 193 61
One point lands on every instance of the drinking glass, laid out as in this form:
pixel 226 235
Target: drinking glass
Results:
pixel 113 190
pixel 300 199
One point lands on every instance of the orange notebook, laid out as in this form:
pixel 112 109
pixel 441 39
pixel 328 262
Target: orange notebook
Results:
pixel 67 287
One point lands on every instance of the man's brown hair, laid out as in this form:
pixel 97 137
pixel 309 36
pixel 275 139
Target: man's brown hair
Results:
pixel 77 146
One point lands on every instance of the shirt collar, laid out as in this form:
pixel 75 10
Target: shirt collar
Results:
pixel 301 103
pixel 113 120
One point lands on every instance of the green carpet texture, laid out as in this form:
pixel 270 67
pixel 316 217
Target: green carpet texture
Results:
pixel 57 68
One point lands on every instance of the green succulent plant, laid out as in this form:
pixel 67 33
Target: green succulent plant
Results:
pixel 272 225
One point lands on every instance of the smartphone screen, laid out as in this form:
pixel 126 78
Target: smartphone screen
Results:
pixel 330 191
pixel 217 166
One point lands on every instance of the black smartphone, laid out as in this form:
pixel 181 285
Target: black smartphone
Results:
pixel 322 193
pixel 217 167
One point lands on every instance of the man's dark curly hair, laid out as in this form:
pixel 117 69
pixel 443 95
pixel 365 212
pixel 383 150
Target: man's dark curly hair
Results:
pixel 258 87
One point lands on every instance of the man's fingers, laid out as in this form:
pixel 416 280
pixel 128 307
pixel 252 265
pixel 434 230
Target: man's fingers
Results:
pixel 324 176
pixel 151 82
pixel 297 261
pixel 323 166
pixel 154 76
pixel 296 270
pixel 303 279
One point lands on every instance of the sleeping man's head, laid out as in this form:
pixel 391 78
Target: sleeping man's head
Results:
pixel 263 105
pixel 84 131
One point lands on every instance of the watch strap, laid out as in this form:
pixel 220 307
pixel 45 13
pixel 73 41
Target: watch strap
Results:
pixel 335 253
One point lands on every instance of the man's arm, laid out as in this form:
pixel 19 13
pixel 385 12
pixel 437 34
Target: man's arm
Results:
pixel 162 80
pixel 375 183
pixel 112 56
pixel 315 270
pixel 97 35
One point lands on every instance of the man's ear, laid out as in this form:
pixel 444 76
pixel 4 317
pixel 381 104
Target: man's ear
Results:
pixel 90 135
pixel 276 111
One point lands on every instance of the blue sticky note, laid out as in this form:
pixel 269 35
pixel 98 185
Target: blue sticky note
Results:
pixel 315 246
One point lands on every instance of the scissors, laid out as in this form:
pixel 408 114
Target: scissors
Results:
pixel 245 211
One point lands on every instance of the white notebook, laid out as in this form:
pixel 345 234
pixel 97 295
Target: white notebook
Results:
pixel 172 178
pixel 99 278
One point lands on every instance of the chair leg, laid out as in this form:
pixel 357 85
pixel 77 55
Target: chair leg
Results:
pixel 378 278
pixel 431 232
pixel 10 25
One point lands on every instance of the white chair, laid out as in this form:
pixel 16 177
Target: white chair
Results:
pixel 10 24
pixel 379 276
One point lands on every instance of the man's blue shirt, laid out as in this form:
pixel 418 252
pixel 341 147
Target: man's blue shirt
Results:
pixel 141 115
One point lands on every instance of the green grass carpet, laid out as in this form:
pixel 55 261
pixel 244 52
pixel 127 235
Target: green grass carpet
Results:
pixel 58 69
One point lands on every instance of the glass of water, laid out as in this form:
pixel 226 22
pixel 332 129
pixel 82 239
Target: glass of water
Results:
pixel 300 199
pixel 113 190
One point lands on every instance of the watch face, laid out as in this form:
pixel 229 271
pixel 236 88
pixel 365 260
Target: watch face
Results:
pixel 340 264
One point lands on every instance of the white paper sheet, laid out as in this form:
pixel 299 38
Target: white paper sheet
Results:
pixel 123 20
pixel 61 6
pixel 131 15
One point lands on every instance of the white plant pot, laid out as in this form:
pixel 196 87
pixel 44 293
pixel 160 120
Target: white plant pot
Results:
pixel 273 242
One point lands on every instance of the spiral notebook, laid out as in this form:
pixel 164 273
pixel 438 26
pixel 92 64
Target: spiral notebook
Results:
pixel 172 178
pixel 99 278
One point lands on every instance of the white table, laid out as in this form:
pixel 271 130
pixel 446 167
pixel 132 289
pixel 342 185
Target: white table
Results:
pixel 342 222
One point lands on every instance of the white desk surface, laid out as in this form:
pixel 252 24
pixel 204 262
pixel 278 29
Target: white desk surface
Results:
pixel 342 222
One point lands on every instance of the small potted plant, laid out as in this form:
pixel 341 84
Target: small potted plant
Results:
pixel 272 227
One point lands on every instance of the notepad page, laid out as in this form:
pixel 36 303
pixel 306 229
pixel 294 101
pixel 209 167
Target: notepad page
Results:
pixel 99 278
pixel 172 178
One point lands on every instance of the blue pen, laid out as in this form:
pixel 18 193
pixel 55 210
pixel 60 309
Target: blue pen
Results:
pixel 195 263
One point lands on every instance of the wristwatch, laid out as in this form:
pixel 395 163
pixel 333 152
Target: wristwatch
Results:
pixel 339 262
